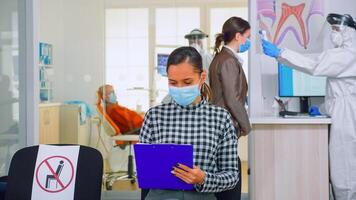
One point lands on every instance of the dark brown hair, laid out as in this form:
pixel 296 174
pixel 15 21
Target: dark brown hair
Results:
pixel 193 57
pixel 232 26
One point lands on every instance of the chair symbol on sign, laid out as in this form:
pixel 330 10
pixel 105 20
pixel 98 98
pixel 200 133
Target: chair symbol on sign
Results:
pixel 52 177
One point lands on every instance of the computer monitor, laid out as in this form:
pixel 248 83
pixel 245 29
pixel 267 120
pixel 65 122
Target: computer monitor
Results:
pixel 162 64
pixel 293 83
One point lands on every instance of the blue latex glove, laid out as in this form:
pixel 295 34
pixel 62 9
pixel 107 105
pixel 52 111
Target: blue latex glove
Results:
pixel 314 111
pixel 270 49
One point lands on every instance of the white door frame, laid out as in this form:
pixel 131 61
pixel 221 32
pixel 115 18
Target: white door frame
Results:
pixel 28 60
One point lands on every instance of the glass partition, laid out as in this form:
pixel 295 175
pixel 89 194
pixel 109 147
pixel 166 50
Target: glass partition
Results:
pixel 12 132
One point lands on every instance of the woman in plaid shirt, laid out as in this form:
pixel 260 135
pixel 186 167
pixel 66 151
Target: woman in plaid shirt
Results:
pixel 190 119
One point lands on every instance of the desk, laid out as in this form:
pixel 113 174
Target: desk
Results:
pixel 288 159
pixel 126 138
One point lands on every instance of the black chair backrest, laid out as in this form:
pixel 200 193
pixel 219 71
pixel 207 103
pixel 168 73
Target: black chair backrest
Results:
pixel 88 177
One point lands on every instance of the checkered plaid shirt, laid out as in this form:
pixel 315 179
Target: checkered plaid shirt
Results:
pixel 208 128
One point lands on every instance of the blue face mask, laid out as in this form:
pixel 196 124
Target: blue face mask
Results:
pixel 112 98
pixel 184 95
pixel 246 46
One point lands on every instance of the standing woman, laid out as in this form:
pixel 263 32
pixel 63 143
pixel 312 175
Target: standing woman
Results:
pixel 228 82
pixel 190 119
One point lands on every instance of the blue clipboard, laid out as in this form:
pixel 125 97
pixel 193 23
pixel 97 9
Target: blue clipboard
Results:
pixel 154 164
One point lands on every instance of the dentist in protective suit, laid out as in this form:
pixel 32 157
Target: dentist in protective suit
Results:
pixel 339 66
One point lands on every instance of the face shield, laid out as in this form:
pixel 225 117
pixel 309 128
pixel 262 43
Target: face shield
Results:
pixel 339 22
pixel 337 30
pixel 197 39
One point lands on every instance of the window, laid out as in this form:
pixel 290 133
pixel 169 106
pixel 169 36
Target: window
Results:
pixel 181 21
pixel 127 55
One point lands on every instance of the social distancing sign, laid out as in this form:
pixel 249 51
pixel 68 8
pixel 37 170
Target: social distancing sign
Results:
pixel 55 172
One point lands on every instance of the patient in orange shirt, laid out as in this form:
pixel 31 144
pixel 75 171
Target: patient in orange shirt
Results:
pixel 128 121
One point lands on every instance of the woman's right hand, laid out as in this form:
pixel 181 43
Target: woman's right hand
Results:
pixel 270 49
pixel 189 175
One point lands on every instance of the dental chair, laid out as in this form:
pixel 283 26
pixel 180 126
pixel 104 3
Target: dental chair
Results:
pixel 118 140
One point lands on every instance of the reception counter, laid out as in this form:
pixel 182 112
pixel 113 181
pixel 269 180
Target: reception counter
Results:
pixel 288 158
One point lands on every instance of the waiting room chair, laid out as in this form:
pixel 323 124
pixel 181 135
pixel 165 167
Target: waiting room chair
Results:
pixel 112 130
pixel 88 175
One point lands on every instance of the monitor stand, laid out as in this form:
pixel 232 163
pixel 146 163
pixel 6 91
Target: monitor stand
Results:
pixel 304 104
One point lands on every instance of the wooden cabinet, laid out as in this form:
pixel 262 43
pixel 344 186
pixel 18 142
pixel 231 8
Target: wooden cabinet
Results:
pixel 60 124
pixel 49 123
pixel 288 159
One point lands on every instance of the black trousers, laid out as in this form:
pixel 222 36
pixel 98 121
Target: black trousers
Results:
pixel 3 185
pixel 144 193
pixel 233 194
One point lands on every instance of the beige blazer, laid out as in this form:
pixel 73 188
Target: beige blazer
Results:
pixel 229 86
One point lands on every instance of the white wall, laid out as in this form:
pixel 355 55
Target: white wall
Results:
pixel 342 7
pixel 76 30
pixel 51 31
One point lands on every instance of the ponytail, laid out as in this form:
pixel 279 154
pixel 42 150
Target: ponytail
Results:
pixel 218 40
pixel 232 26
pixel 206 92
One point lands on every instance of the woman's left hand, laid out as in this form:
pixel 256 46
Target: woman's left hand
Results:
pixel 189 175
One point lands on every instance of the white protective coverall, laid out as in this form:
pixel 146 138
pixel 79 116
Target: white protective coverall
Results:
pixel 339 66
